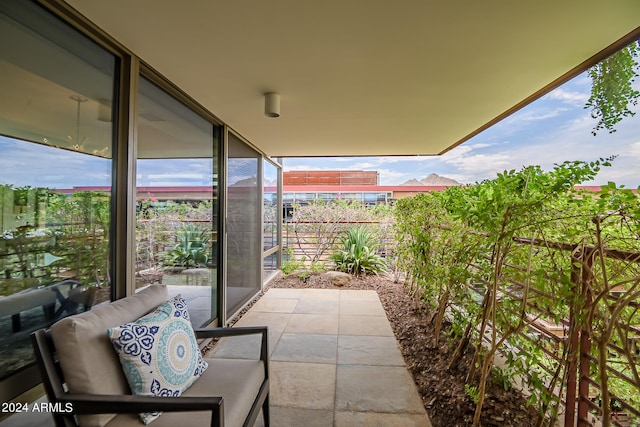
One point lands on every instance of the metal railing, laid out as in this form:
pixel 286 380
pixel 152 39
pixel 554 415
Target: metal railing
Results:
pixel 573 363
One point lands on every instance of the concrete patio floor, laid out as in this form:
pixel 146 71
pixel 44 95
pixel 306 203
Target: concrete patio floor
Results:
pixel 334 360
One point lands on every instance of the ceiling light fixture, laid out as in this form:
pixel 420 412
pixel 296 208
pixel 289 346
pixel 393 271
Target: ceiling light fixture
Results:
pixel 104 110
pixel 272 104
pixel 76 144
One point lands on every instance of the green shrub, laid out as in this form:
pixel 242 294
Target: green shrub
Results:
pixel 472 392
pixel 358 255
pixel 290 264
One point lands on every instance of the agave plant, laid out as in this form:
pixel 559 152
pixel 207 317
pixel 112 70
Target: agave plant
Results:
pixel 358 255
pixel 191 248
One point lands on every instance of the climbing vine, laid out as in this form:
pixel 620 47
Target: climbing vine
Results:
pixel 612 91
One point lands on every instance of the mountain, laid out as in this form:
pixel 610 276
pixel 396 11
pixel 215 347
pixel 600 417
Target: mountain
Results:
pixel 412 181
pixel 433 179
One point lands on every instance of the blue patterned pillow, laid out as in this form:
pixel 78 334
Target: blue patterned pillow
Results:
pixel 159 352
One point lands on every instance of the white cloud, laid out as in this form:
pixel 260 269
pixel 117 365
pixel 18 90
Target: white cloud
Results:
pixel 462 178
pixel 619 175
pixel 392 177
pixel 482 164
pixel 634 151
pixel 530 116
pixel 342 159
pixel 582 126
pixel 398 159
pixel 301 166
pixel 470 166
pixel 49 167
pixel 364 165
pixel 459 151
pixel 573 98
pixel 481 145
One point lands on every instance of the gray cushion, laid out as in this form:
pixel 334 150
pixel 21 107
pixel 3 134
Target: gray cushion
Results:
pixel 87 358
pixel 26 300
pixel 237 381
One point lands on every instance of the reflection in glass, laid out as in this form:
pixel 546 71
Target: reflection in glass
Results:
pixel 271 218
pixel 270 265
pixel 55 176
pixel 270 193
pixel 244 223
pixel 176 222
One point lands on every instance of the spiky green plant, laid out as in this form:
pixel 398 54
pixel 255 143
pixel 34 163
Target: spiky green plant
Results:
pixel 191 249
pixel 358 255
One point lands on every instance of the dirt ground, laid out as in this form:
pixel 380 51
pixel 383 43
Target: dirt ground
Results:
pixel 443 392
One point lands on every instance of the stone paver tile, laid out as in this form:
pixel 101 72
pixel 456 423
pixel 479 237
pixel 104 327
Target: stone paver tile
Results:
pixel 303 385
pixel 365 325
pixel 312 324
pixel 387 389
pixel 243 347
pixel 297 417
pixel 358 295
pixel 361 308
pixel 275 321
pixel 321 294
pixel 312 348
pixel 312 306
pixel 275 305
pixel 369 419
pixel 369 350
pixel 283 293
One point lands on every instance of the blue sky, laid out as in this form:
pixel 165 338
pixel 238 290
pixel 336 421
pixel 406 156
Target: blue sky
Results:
pixel 551 130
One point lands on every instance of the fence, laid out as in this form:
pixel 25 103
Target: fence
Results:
pixel 315 241
pixel 580 339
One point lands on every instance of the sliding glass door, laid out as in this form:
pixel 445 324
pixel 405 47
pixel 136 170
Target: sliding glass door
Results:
pixel 244 224
pixel 176 201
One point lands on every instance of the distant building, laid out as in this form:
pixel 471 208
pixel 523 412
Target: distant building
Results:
pixel 301 187
pixel 334 177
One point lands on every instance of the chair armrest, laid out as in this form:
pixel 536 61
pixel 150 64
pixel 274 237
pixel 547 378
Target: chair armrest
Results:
pixel 202 333
pixel 133 404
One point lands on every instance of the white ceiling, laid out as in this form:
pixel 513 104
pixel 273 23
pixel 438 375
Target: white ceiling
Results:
pixel 363 77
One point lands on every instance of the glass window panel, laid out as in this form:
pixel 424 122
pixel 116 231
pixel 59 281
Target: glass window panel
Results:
pixel 370 197
pixel 176 180
pixel 348 196
pixel 55 176
pixel 327 196
pixel 270 265
pixel 244 223
pixel 271 222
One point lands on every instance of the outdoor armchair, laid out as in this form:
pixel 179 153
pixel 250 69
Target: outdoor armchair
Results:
pixel 86 386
